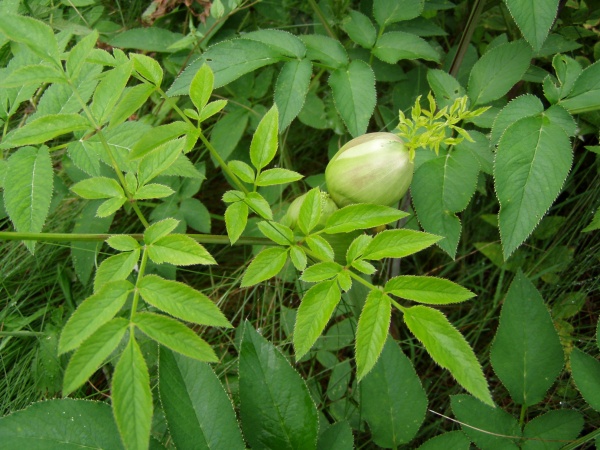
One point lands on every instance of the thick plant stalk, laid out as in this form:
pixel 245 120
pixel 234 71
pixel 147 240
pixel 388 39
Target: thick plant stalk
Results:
pixel 461 49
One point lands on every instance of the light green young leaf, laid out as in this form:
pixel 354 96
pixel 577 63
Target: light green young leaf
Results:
pixel 431 290
pixel 321 247
pixel 357 247
pixel 132 398
pixel 147 67
pixel 498 71
pixel 272 177
pixel 313 314
pixel 259 205
pixel 190 393
pixel 123 243
pixel 44 129
pixel 233 196
pixel 321 271
pixel 92 313
pixel 98 187
pixel 157 137
pixel 267 382
pixel 180 250
pixel 79 53
pixel 265 140
pixel 175 336
pixel 181 301
pixel 586 374
pixel 159 229
pixel 92 352
pixel 448 348
pixel 394 46
pixel 290 90
pixel 310 211
pixel 533 152
pixel 132 99
pixel 110 206
pixel 265 265
pixel 36 74
pixel 236 218
pixel 360 217
pixel 298 257
pixel 484 425
pixel 38 36
pixel 526 354
pixel 242 170
pixel 353 89
pixel 364 267
pixel 28 186
pixel 159 160
pixel 393 400
pixel 211 109
pixel 391 11
pixel 201 87
pixel 372 331
pixel 109 91
pixel 153 190
pixel 116 267
pixel 360 29
pixel 278 233
pixel 398 244
pixel 344 280
pixel 534 19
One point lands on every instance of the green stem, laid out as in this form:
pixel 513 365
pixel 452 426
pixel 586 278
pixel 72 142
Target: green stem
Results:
pixel 463 44
pixel 78 237
pixel 522 415
pixel 582 440
pixel 136 292
pixel 21 333
pixel 322 18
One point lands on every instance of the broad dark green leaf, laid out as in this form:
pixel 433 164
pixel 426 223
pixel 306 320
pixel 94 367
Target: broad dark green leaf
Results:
pixel 550 431
pixel 265 140
pixel 92 352
pixel 290 90
pixel 398 243
pixel 44 129
pixel 390 11
pixel 282 41
pixel 28 186
pixel 314 312
pixel 491 421
pixel 455 440
pixel 360 217
pixel 585 95
pixel 236 218
pixel 354 94
pixel 64 424
pixel 336 437
pixel 174 335
pixel 423 289
pixel 37 35
pixel 92 313
pixel 131 397
pixel 360 29
pixel 201 87
pixel 325 49
pixel 159 229
pixel 228 132
pixel 116 267
pixel 526 354
pixel 498 71
pixel 523 106
pixel 191 393
pixel 151 39
pixel 534 18
pixel 442 187
pixel 181 301
pixel 265 265
pixel 180 250
pixel 445 87
pixel 585 370
pixel 532 162
pixel 372 331
pixel 277 411
pixel 393 401
pixel 394 46
pixel 448 348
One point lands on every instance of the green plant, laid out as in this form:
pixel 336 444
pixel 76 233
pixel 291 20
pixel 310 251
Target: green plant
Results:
pixel 138 155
